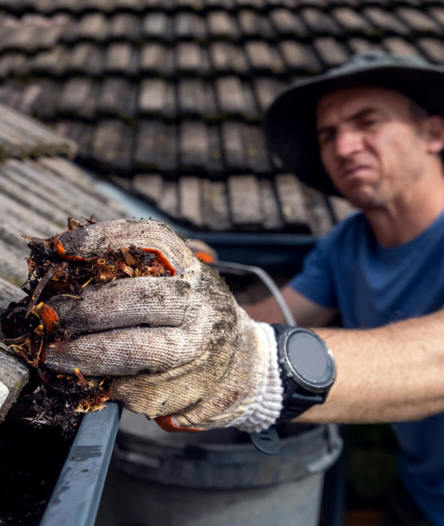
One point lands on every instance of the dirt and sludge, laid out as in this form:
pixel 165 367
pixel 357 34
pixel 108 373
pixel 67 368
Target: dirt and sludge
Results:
pixel 32 326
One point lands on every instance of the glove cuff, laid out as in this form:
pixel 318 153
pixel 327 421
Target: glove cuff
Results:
pixel 266 406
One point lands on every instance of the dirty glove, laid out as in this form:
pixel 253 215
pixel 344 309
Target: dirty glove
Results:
pixel 181 348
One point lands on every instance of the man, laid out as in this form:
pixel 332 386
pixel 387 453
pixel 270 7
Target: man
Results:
pixel 185 353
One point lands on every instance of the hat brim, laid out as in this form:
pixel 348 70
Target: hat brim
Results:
pixel 290 126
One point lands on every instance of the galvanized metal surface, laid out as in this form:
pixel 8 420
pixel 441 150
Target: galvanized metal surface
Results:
pixel 76 497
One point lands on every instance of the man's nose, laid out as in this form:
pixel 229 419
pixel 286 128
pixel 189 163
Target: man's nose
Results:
pixel 348 142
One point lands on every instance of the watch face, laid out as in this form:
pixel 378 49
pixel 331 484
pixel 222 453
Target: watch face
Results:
pixel 310 360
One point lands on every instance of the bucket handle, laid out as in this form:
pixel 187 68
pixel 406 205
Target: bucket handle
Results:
pixel 334 444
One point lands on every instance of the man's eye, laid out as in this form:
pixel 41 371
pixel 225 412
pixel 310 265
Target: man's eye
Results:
pixel 369 123
pixel 325 138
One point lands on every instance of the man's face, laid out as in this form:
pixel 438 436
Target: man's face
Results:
pixel 370 144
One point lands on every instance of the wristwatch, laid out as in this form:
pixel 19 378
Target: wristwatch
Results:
pixel 307 369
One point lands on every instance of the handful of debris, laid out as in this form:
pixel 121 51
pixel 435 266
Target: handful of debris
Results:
pixel 32 326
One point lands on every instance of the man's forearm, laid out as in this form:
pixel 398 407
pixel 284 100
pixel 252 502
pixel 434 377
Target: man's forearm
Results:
pixel 393 373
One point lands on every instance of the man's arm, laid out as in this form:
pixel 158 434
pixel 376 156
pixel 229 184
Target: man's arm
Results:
pixel 393 373
pixel 305 311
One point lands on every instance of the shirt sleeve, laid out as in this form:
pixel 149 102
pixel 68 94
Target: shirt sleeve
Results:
pixel 315 282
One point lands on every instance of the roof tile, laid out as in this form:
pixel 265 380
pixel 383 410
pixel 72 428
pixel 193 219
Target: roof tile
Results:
pixel 437 13
pixel 112 144
pixel 157 4
pixel 230 95
pixel 418 21
pixel 352 21
pixel 157 25
pixel 190 194
pixel 20 214
pixel 152 96
pixel 360 45
pixel 23 38
pixel 319 22
pixel 46 104
pixel 318 215
pixel 85 58
pixel 292 202
pixel 193 146
pixel 214 205
pixel 133 5
pixel 117 98
pixel 256 150
pixel 195 5
pixel 189 26
pixel 298 57
pixel 124 26
pixel 31 95
pixel 41 198
pixel 23 137
pixel 169 199
pixel 289 4
pixel 222 25
pixel 79 184
pixel 93 26
pixel 227 58
pixel 215 159
pixel 219 4
pixel 80 132
pixel 253 24
pixel 57 189
pixel 156 147
pixel 272 218
pixel 156 58
pixel 251 111
pixel 245 200
pixel 51 34
pixel 78 98
pixel 150 186
pixel 51 62
pixel 385 21
pixel 256 4
pixel 287 23
pixel 433 49
pixel 331 52
pixel 266 89
pixel 196 98
pixel 399 46
pixel 233 146
pixel 191 58
pixel 11 64
pixel 263 58
pixel 121 58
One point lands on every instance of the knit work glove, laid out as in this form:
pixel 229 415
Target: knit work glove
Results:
pixel 181 349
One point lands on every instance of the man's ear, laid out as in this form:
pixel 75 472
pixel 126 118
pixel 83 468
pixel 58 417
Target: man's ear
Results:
pixel 434 127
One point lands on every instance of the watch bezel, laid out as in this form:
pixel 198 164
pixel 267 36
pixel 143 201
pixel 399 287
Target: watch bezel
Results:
pixel 293 374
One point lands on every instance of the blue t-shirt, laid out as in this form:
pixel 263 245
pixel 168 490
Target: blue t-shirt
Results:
pixel 372 286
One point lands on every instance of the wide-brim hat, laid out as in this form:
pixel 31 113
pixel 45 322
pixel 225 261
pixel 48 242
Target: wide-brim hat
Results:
pixel 290 126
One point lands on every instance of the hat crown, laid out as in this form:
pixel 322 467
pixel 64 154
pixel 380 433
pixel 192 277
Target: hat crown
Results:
pixel 374 59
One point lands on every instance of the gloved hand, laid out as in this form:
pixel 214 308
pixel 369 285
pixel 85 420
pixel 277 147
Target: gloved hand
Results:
pixel 181 348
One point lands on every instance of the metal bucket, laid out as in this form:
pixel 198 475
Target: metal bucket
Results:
pixel 215 478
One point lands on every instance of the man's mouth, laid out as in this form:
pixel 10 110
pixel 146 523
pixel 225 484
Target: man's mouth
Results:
pixel 354 171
